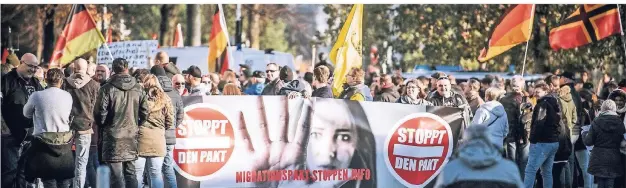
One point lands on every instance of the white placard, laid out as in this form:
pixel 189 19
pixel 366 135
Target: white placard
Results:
pixel 135 52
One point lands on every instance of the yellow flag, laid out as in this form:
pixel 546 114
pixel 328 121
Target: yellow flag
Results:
pixel 346 52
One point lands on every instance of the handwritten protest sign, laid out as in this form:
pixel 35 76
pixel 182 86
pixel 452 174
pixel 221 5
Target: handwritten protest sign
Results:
pixel 135 52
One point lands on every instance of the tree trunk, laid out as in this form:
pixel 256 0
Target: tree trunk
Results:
pixel 168 21
pixel 194 25
pixel 255 29
pixel 48 33
pixel 40 22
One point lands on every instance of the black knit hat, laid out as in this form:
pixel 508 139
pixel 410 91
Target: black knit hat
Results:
pixel 286 73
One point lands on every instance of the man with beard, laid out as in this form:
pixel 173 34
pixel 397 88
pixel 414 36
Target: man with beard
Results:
pixel 17 86
pixel 102 74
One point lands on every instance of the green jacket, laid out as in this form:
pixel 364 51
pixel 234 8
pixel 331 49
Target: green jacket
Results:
pixel 568 107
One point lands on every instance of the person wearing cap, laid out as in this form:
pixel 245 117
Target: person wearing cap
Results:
pixel 572 109
pixel 445 96
pixel 244 67
pixel 194 79
pixel 17 86
pixel 257 83
pixel 120 108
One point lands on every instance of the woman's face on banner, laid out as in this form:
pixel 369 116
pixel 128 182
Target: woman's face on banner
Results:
pixel 333 137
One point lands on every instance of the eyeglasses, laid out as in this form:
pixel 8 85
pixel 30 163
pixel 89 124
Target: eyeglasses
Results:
pixel 270 71
pixel 179 83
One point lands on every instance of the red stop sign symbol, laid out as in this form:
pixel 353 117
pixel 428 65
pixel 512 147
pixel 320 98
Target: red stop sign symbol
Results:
pixel 204 142
pixel 417 147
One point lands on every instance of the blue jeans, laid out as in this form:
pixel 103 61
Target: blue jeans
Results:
pixel 541 155
pixel 82 142
pixel 583 161
pixel 92 167
pixel 154 165
pixel 518 154
pixel 169 176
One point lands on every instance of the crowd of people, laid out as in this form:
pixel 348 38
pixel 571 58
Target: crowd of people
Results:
pixel 62 123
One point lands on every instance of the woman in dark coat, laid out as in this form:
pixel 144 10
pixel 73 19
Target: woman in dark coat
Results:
pixel 605 134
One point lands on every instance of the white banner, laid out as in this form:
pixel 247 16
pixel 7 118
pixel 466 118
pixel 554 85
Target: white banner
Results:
pixel 135 52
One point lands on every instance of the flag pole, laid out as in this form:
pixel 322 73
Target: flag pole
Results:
pixel 621 29
pixel 530 30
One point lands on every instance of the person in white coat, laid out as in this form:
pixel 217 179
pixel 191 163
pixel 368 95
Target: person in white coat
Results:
pixel 493 116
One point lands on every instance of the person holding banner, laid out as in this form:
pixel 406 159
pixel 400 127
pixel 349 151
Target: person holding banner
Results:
pixel 354 87
pixel 335 134
pixel 413 94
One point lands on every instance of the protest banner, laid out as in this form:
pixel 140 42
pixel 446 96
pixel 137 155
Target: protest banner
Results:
pixel 272 141
pixel 136 52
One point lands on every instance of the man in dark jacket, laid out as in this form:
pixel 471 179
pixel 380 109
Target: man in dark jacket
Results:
pixel 444 96
pixel 170 134
pixel 121 106
pixel 17 86
pixel 389 92
pixel 164 60
pixel 84 91
pixel 544 137
pixel 321 74
pixel 275 83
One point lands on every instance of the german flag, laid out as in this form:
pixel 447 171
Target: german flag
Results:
pixel 218 41
pixel 513 28
pixel 589 23
pixel 79 36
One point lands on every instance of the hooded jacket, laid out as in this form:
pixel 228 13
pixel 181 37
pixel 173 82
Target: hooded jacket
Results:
pixel 389 94
pixel 605 134
pixel 493 116
pixel 479 164
pixel 171 70
pixel 568 108
pixel 545 121
pixel 15 94
pixel 84 91
pixel 120 108
pixel 177 104
pixel 576 128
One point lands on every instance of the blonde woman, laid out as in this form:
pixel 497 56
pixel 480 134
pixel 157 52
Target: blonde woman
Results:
pixel 493 116
pixel 152 132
